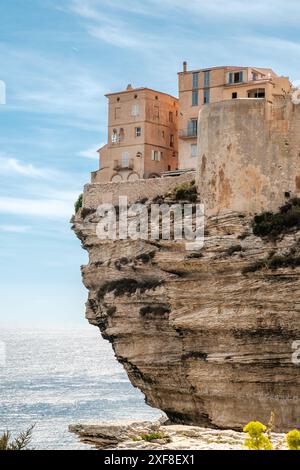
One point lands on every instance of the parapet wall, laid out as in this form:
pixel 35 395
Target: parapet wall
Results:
pixel 101 193
pixel 249 155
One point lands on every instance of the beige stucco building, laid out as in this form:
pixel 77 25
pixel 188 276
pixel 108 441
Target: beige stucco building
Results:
pixel 142 136
pixel 198 88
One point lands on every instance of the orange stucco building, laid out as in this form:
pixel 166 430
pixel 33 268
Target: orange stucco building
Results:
pixel 198 88
pixel 142 136
pixel 151 133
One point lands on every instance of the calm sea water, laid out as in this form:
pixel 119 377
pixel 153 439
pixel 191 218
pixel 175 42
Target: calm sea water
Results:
pixel 55 378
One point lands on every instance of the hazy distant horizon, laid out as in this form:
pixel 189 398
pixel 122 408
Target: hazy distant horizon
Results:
pixel 58 59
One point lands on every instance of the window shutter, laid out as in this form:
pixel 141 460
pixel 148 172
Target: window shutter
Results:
pixel 159 156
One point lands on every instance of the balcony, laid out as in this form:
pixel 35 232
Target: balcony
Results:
pixel 120 165
pixel 189 133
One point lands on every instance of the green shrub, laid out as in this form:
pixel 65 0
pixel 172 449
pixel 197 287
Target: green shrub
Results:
pixel 257 439
pixel 159 309
pixel 152 436
pixel 78 203
pixel 127 286
pixel 272 225
pixel 21 442
pixel 293 440
pixel 273 262
pixel 186 192
pixel 195 255
pixel 234 249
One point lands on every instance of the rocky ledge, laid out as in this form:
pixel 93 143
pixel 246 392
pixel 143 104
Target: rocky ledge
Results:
pixel 207 336
pixel 159 435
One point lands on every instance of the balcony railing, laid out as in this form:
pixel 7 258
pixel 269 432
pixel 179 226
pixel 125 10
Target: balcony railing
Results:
pixel 189 133
pixel 123 165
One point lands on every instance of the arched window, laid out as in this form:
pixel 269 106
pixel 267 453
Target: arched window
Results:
pixel 121 134
pixel 114 136
pixel 133 177
pixel 116 179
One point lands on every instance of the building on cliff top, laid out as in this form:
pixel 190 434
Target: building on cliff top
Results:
pixel 142 136
pixel 198 88
pixel 151 133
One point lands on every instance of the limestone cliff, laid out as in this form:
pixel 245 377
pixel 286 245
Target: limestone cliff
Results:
pixel 206 336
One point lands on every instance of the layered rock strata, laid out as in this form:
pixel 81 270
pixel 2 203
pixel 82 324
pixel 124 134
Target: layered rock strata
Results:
pixel 205 339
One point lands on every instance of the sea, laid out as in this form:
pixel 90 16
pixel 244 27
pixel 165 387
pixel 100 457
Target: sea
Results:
pixel 53 378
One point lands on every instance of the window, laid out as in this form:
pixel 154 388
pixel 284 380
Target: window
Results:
pixel 121 134
pixel 117 113
pixel 193 150
pixel 156 112
pixel 114 136
pixel 195 98
pixel 163 134
pixel 207 78
pixel 192 127
pixel 257 93
pixel 135 110
pixel 139 154
pixel 195 80
pixel 125 160
pixel 155 155
pixel 254 76
pixel 234 95
pixel 206 96
pixel 235 77
pixel 138 131
pixel 171 140
pixel 170 116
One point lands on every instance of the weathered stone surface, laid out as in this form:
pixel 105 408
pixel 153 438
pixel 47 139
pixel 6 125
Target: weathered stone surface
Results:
pixel 215 348
pixel 248 154
pixel 127 435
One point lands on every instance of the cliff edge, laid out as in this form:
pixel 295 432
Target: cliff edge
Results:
pixel 207 336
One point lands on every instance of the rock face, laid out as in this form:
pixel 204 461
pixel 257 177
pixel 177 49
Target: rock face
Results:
pixel 133 435
pixel 205 341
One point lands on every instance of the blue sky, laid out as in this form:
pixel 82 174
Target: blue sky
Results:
pixel 58 58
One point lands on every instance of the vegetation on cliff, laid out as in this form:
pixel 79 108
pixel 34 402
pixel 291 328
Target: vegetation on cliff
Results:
pixel 271 225
pixel 21 442
pixel 78 203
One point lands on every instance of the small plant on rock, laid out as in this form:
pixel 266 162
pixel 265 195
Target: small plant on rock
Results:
pixel 153 436
pixel 21 442
pixel 78 203
pixel 293 439
pixel 257 438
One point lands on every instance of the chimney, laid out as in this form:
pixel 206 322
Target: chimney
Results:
pixel 129 87
pixel 184 66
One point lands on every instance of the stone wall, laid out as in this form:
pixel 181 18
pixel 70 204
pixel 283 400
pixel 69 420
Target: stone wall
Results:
pixel 101 193
pixel 249 154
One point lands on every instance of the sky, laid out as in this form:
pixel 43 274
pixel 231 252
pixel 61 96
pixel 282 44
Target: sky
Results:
pixel 57 59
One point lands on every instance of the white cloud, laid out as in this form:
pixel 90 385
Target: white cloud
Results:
pixel 91 152
pixel 110 27
pixel 9 165
pixel 15 228
pixel 269 11
pixel 47 208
